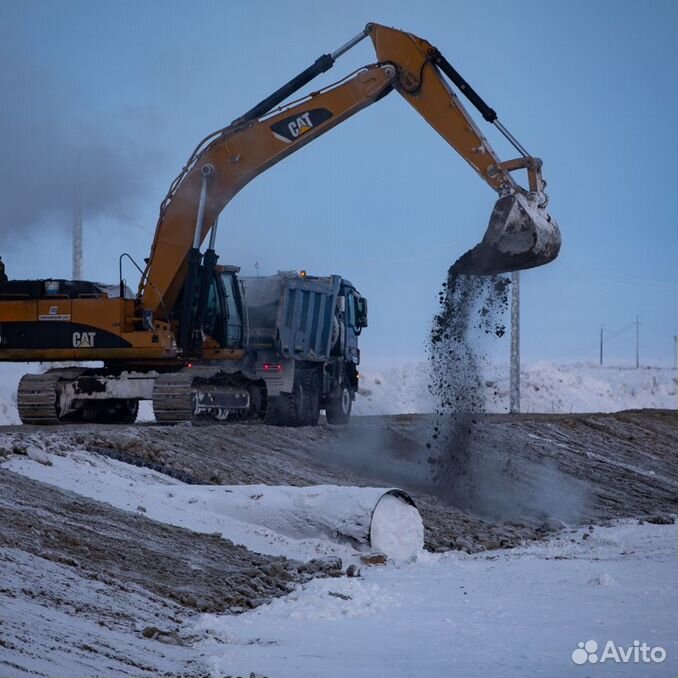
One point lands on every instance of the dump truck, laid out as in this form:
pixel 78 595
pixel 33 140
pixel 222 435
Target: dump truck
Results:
pixel 304 331
pixel 163 343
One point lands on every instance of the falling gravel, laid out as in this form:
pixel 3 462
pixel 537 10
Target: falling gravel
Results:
pixel 472 308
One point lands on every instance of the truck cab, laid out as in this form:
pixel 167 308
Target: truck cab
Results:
pixel 353 307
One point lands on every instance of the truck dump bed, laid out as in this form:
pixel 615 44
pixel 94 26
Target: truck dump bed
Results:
pixel 291 314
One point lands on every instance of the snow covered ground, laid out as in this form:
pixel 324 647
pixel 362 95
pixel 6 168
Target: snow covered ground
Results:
pixel 523 611
pixel 497 613
pixel 502 613
pixel 545 387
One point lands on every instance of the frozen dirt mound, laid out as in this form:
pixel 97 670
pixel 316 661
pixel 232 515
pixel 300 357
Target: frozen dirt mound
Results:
pixel 115 588
pixel 305 523
pixel 89 588
pixel 526 472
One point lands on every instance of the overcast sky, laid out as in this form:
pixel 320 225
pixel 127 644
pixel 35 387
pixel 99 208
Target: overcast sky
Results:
pixel 129 88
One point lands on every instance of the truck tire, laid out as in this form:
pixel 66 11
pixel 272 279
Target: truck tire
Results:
pixel 299 408
pixel 287 409
pixel 339 405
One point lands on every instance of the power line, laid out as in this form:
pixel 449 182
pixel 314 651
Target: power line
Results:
pixel 622 279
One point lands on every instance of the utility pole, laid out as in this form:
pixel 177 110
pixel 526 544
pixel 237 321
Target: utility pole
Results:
pixel 77 226
pixel 675 355
pixel 514 398
pixel 602 327
pixel 637 323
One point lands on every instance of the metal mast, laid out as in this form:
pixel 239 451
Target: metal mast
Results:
pixel 514 398
pixel 77 227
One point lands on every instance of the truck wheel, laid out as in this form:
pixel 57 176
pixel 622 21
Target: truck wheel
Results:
pixel 310 382
pixel 287 409
pixel 299 408
pixel 339 406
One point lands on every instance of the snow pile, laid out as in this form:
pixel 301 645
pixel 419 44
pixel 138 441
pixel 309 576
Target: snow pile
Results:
pixel 545 387
pixel 297 522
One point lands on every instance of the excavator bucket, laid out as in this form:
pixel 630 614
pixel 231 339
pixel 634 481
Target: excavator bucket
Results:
pixel 520 235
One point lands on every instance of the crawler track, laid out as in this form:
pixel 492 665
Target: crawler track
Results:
pixel 172 398
pixel 37 399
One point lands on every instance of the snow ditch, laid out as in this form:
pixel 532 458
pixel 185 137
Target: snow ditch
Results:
pixel 296 522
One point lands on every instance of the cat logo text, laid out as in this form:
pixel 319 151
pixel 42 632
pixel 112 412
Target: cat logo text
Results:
pixel 295 126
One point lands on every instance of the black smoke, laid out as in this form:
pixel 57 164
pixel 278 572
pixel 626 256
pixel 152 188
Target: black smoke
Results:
pixel 54 137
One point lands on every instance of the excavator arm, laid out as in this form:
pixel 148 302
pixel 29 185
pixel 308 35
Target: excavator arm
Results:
pixel 521 234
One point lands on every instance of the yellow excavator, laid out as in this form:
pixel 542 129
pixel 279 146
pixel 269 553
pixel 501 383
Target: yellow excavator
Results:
pixel 183 341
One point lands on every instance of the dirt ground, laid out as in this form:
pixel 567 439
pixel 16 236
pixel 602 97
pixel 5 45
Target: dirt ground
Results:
pixel 527 476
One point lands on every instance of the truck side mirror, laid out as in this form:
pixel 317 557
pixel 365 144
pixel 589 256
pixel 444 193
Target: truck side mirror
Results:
pixel 361 315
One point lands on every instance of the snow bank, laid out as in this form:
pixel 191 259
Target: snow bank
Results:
pixel 297 522
pixel 545 387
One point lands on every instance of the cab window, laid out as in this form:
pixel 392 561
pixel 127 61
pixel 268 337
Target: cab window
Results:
pixel 233 319
pixel 351 310
pixel 212 312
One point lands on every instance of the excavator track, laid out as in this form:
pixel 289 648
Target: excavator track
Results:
pixel 37 399
pixel 173 398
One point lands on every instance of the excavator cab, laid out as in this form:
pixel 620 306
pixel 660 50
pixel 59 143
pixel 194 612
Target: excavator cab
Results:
pixel 218 316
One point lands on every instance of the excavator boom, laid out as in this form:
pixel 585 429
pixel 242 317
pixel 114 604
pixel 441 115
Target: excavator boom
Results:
pixel 230 159
pixel 521 233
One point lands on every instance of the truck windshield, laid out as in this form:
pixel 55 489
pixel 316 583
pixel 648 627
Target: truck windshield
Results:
pixel 233 319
